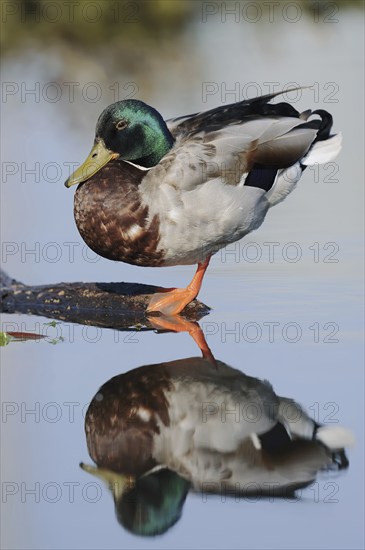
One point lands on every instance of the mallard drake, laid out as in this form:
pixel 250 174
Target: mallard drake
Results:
pixel 156 193
pixel 215 427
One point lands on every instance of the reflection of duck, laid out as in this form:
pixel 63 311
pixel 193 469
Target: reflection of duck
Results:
pixel 182 190
pixel 215 427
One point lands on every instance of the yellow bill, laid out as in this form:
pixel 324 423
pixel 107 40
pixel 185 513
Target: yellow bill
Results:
pixel 98 157
pixel 118 483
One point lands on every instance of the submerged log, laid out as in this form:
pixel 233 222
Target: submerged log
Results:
pixel 109 305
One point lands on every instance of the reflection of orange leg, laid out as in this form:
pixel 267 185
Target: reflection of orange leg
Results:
pixel 172 302
pixel 179 324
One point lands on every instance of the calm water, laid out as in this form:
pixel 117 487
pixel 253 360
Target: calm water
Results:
pixel 314 303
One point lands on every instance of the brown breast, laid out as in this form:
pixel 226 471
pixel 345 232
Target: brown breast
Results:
pixel 111 219
pixel 122 419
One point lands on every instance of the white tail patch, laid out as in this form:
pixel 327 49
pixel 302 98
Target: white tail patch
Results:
pixel 324 151
pixel 256 441
pixel 335 437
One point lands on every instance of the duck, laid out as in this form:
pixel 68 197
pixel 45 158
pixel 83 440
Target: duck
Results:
pixel 220 430
pixel 160 193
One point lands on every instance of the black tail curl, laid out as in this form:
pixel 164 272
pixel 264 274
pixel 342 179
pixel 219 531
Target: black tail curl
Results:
pixel 323 125
pixel 326 124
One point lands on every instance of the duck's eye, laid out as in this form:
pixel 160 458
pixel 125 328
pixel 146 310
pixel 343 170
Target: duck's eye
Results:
pixel 121 124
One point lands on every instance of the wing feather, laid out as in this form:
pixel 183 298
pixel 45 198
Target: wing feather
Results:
pixel 231 153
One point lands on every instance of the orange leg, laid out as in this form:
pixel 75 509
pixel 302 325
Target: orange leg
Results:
pixel 172 302
pixel 179 324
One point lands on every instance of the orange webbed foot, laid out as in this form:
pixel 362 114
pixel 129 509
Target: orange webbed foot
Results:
pixel 172 301
pixel 177 323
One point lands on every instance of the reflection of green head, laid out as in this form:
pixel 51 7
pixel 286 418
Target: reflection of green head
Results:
pixel 154 504
pixel 148 505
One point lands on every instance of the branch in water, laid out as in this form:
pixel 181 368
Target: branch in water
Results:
pixel 108 305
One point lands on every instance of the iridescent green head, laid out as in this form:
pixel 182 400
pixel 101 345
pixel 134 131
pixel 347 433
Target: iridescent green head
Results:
pixel 129 130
